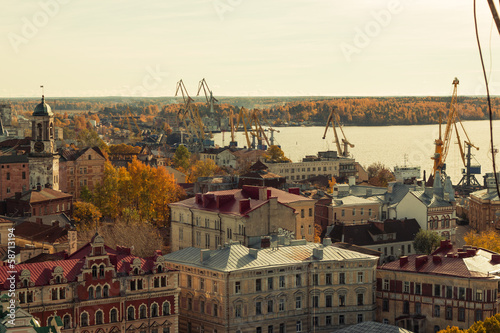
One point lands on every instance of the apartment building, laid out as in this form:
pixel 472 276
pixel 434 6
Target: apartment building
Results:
pixel 325 164
pixel 300 287
pixel 98 289
pixel 211 219
pixel 483 205
pixel 451 287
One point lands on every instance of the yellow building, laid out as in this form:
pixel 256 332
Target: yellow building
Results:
pixel 245 215
pixel 298 287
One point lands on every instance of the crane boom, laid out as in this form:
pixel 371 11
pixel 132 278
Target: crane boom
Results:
pixel 334 118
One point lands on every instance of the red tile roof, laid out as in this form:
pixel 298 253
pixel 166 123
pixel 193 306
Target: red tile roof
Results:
pixel 44 194
pixel 231 201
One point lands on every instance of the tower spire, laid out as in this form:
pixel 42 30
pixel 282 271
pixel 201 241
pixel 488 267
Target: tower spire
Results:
pixel 43 94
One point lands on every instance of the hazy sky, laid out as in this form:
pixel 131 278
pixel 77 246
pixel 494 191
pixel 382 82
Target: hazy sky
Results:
pixel 244 47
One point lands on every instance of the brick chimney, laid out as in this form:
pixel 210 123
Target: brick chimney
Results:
pixel 294 190
pixel 403 261
pixel 244 205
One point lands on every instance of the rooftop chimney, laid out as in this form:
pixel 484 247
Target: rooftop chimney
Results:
pixel 204 255
pixel 420 260
pixel 403 261
pixel 495 259
pixel 294 190
pixel 265 243
pixel 318 253
pixel 436 259
pixel 244 205
pixel 327 241
pixel 199 198
pixel 253 253
pixel 281 239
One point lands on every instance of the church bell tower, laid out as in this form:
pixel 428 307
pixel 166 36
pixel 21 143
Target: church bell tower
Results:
pixel 43 157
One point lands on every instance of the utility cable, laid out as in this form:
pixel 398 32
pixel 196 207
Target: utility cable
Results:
pixel 489 101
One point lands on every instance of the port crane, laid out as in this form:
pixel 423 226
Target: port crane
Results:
pixel 211 100
pixel 250 121
pixel 443 142
pixel 334 118
pixel 190 117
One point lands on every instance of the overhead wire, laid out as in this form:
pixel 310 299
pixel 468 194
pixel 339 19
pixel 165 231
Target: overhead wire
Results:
pixel 489 101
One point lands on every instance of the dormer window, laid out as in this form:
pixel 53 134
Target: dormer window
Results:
pixel 136 271
pixel 160 269
pixel 58 279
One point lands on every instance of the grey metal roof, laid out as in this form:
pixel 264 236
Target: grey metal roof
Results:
pixel 372 327
pixel 237 257
pixel 485 195
pixel 430 200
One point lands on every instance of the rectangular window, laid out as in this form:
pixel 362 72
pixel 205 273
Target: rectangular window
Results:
pixel 341 320
pixel 282 328
pixel 360 277
pixel 418 288
pixel 385 285
pixel 298 302
pixel 181 234
pixel 270 306
pixel 406 287
pixel 341 300
pixel 328 320
pixel 361 211
pixel 315 279
pixel 310 212
pixel 328 301
pixel 202 284
pixel 281 305
pixel 418 308
pixel 298 280
pixel 437 290
pixel 342 213
pixel 341 278
pixel 258 329
pixel 237 287
pixel 315 301
pixel 189 282
pixel 207 241
pixel 449 313
pixel 282 282
pixel 237 311
pixel 449 292
pixel 214 287
pixel 369 212
pixel 406 307
pixel 461 314
pixel 270 283
pixel 258 285
pixel 360 318
pixel 437 311
pixel 409 248
pixel 461 293
pixel 354 212
pixel 328 279
pixel 298 326
pixel 315 321
pixel 479 295
pixel 270 329
pixel 385 304
pixel 361 298
pixel 258 308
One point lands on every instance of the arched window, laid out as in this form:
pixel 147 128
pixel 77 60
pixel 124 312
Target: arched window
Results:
pixel 101 271
pixel 58 279
pixel 113 316
pixel 39 131
pixel 91 293
pixel 136 271
pixel 49 321
pixel 98 318
pixel 67 321
pixel 142 312
pixel 131 313
pixel 160 269
pixel 84 319
pixel 105 292
pixel 154 310
pixel 98 291
pixel 94 271
pixel 166 308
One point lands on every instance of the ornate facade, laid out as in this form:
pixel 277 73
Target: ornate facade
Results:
pixel 99 289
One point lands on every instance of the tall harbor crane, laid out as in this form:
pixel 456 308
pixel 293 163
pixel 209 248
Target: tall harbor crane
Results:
pixel 211 100
pixel 191 119
pixel 443 141
pixel 334 118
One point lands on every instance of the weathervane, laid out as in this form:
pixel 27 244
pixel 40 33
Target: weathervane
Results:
pixel 42 92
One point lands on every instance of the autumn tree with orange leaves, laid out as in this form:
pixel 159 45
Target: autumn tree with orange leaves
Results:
pixel 489 240
pixel 138 193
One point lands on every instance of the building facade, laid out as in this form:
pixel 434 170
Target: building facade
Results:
pixel 302 287
pixel 79 169
pixel 98 289
pixel 448 288
pixel 39 202
pixel 326 164
pixel 211 219
pixel 483 205
pixel 14 175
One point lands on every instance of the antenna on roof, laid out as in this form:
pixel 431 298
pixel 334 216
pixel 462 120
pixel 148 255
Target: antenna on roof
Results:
pixel 42 91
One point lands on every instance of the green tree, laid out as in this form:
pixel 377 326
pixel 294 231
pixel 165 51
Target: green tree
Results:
pixel 275 154
pixel 181 158
pixel 206 168
pixel 426 241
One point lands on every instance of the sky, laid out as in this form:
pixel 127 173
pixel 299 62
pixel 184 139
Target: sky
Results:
pixel 79 48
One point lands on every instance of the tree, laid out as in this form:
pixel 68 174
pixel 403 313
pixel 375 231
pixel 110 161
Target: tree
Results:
pixel 142 238
pixel 426 241
pixel 489 240
pixel 181 158
pixel 86 215
pixel 331 184
pixel 90 138
pixel 452 329
pixel 124 149
pixel 489 325
pixel 379 175
pixel 206 168
pixel 275 154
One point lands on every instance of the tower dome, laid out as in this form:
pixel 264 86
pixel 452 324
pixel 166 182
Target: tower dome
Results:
pixel 43 109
